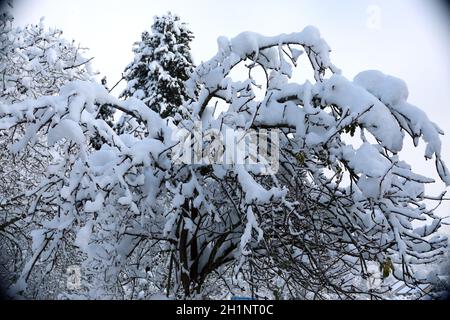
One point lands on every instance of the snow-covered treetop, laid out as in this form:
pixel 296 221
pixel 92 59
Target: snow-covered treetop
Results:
pixel 36 60
pixel 161 64
pixel 335 204
pixel 375 102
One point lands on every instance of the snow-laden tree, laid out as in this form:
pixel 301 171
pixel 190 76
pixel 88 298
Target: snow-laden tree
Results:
pixel 161 65
pixel 314 229
pixel 34 62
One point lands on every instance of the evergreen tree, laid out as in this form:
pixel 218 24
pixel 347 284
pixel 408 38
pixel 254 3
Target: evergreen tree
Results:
pixel 161 65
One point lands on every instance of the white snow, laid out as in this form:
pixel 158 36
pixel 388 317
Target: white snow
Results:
pixel 83 237
pixel 68 129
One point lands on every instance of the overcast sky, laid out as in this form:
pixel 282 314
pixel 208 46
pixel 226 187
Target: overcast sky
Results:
pixel 409 39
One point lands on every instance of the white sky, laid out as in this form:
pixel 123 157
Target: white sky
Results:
pixel 410 40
